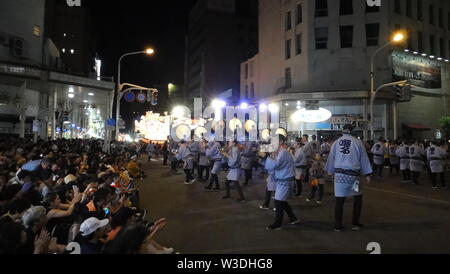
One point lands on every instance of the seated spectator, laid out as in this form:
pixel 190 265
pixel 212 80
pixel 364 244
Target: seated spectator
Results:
pixel 91 232
pixel 138 239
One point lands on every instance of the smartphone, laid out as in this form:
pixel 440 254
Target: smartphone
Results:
pixel 106 211
pixel 53 231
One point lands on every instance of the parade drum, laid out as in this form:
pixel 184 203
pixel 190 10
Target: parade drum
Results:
pixel 235 124
pixel 200 132
pixel 265 135
pixel 183 131
pixel 250 125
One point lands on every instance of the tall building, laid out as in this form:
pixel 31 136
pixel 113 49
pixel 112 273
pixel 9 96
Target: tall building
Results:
pixel 318 53
pixel 37 97
pixel 221 35
pixel 71 29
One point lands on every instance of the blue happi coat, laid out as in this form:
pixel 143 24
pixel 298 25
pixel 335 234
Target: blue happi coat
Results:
pixel 234 163
pixel 270 167
pixel 284 175
pixel 195 150
pixel 347 160
pixel 184 153
pixel 213 153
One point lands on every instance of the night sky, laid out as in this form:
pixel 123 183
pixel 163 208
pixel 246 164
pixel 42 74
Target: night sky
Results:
pixel 132 25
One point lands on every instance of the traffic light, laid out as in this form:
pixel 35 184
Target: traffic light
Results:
pixel 154 101
pixel 403 93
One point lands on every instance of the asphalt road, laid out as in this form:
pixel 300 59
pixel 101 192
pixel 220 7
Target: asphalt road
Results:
pixel 402 218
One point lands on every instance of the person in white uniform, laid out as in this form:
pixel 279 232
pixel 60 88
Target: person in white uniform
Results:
pixel 436 156
pixel 348 160
pixel 403 155
pixel 416 157
pixel 378 151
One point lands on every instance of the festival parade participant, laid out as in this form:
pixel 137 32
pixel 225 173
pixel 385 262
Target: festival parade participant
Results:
pixel 348 160
pixel 234 173
pixel 285 178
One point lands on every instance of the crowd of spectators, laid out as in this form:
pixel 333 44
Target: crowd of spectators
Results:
pixel 69 196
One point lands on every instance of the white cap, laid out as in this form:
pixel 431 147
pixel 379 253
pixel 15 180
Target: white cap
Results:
pixel 91 225
pixel 70 178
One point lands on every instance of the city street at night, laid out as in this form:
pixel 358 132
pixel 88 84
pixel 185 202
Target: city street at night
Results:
pixel 402 218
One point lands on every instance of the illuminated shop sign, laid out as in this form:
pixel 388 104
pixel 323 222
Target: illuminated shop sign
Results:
pixel 423 71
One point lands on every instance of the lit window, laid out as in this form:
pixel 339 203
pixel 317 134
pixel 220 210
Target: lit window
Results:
pixel 63 50
pixel 65 34
pixel 72 51
pixel 37 31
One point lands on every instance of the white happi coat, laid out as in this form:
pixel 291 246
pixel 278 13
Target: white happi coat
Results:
pixel 347 155
pixel 436 157
pixel 378 150
pixel 394 159
pixel 416 154
pixel 403 154
pixel 234 163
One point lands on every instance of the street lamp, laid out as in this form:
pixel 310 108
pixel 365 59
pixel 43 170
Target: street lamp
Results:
pixel 149 52
pixel 398 37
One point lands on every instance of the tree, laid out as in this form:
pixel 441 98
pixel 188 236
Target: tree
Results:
pixel 444 123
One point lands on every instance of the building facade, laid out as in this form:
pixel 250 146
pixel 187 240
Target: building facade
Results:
pixel 221 35
pixel 319 52
pixel 37 97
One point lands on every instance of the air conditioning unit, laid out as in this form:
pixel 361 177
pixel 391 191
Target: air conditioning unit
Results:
pixel 18 47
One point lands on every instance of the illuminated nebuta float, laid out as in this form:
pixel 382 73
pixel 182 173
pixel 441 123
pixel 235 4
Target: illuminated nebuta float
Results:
pixel 153 126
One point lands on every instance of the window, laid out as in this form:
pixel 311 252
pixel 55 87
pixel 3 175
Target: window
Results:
pixel 419 10
pixel 409 8
pixel 449 21
pixel 246 91
pixel 397 6
pixel 252 91
pixel 321 38
pixel 410 40
pixel 288 21
pixel 346 7
pixel 246 71
pixel 431 15
pixel 441 18
pixel 432 44
pixel 288 77
pixel 288 49
pixel 441 47
pixel 372 34
pixel 372 9
pixel 346 36
pixel 299 14
pixel 298 44
pixel 420 41
pixel 37 31
pixel 321 8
